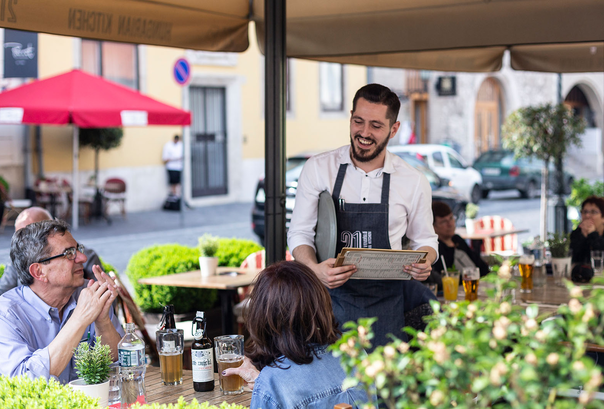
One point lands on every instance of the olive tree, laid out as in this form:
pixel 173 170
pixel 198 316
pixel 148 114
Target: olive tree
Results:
pixel 544 132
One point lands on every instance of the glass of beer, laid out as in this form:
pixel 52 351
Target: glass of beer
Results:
pixel 170 346
pixel 525 264
pixel 451 285
pixel 229 354
pixel 471 278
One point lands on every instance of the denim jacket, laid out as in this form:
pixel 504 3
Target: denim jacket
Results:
pixel 315 385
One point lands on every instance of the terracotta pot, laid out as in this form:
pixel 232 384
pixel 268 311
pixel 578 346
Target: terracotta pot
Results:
pixel 100 390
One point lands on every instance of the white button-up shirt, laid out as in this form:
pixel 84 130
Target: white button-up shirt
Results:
pixel 410 202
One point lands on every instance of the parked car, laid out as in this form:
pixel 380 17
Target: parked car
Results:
pixel 440 191
pixel 448 164
pixel 501 171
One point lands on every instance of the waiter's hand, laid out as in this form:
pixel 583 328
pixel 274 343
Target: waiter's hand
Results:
pixel 419 271
pixel 333 277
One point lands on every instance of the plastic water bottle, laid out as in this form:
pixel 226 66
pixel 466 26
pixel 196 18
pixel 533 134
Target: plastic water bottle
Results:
pixel 131 351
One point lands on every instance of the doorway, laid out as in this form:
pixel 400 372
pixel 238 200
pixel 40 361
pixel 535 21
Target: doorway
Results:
pixel 208 141
pixel 488 117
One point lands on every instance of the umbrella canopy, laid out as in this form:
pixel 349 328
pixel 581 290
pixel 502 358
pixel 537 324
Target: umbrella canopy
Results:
pixel 87 101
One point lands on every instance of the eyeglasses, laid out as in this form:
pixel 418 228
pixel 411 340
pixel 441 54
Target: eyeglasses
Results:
pixel 592 212
pixel 70 253
pixel 446 220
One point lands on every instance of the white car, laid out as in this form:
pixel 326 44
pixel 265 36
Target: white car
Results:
pixel 448 164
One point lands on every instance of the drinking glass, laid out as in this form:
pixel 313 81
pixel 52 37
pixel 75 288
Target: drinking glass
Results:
pixel 229 354
pixel 114 383
pixel 526 264
pixel 596 261
pixel 539 273
pixel 170 346
pixel 432 287
pixel 471 278
pixel 451 285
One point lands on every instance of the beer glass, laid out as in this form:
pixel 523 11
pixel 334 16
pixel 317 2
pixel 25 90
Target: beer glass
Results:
pixel 229 354
pixel 451 285
pixel 597 261
pixel 525 264
pixel 471 277
pixel 170 346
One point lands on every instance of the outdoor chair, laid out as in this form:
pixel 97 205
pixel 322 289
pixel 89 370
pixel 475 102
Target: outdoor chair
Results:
pixel 507 243
pixel 12 208
pixel 114 191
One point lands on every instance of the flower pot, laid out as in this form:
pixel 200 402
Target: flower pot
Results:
pixel 208 265
pixel 561 270
pixel 470 223
pixel 100 390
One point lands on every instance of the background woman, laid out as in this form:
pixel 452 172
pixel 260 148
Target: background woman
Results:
pixel 589 235
pixel 291 323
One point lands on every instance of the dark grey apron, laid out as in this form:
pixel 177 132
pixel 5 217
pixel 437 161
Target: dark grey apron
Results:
pixel 363 225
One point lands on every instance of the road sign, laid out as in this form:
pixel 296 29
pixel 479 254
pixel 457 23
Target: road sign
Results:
pixel 182 71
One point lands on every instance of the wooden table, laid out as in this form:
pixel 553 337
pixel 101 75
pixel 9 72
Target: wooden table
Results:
pixel 477 238
pixel 157 392
pixel 225 282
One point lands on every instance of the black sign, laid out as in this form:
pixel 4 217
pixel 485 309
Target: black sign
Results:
pixel 446 86
pixel 20 54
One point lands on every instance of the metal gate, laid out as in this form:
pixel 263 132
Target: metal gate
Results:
pixel 208 142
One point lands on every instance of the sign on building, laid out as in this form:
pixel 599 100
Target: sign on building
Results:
pixel 20 54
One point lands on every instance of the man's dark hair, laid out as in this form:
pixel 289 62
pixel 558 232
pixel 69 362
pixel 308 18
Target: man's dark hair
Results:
pixel 440 209
pixel 594 200
pixel 30 244
pixel 177 137
pixel 379 94
pixel 289 314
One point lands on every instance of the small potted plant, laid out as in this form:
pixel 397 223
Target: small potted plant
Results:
pixel 471 213
pixel 92 365
pixel 559 248
pixel 208 262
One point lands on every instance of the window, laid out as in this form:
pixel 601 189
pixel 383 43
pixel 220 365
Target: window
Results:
pixel 116 62
pixel 331 86
pixel 438 159
pixel 454 162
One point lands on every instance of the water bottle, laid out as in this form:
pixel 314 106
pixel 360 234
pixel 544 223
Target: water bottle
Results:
pixel 202 356
pixel 131 351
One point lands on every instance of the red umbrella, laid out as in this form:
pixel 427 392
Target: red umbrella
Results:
pixel 87 101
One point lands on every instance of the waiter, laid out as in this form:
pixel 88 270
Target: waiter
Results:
pixel 379 200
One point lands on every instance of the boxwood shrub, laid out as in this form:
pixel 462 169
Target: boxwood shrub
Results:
pixel 26 393
pixel 163 260
pixel 2 266
pixel 232 252
pixel 108 267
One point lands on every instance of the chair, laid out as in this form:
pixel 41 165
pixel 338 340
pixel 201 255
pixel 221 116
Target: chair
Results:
pixel 507 243
pixel 114 191
pixel 12 209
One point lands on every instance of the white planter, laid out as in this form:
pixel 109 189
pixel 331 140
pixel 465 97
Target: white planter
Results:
pixel 561 270
pixel 208 265
pixel 470 223
pixel 100 390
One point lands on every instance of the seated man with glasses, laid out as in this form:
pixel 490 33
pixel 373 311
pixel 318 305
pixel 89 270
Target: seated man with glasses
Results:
pixel 43 320
pixel 451 246
pixel 10 278
pixel 590 233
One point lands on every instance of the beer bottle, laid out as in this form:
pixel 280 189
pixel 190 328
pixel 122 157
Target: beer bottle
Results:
pixel 202 356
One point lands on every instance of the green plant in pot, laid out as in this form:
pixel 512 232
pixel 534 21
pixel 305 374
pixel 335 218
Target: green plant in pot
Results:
pixel 471 213
pixel 208 262
pixel 559 246
pixel 92 366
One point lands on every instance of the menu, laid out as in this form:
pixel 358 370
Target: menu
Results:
pixel 379 264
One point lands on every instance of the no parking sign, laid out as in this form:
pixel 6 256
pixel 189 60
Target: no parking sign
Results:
pixel 182 71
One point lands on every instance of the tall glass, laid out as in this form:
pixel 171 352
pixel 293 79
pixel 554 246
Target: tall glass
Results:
pixel 451 285
pixel 229 354
pixel 170 346
pixel 526 265
pixel 597 261
pixel 471 278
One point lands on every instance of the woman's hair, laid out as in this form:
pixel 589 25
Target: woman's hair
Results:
pixel 595 200
pixel 440 209
pixel 289 314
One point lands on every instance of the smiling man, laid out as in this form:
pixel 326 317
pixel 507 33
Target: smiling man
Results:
pixel 379 200
pixel 56 308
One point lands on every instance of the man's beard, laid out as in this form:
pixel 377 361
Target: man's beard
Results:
pixel 361 157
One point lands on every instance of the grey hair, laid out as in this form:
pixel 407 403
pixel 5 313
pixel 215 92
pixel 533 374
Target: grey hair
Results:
pixel 30 244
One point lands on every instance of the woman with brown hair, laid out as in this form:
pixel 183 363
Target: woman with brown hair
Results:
pixel 291 323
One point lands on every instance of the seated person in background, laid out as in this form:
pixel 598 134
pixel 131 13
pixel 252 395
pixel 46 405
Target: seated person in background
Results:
pixel 43 320
pixel 291 323
pixel 10 279
pixel 450 245
pixel 589 235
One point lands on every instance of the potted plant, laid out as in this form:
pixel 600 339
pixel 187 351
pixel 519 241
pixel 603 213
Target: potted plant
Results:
pixel 471 213
pixel 208 246
pixel 559 248
pixel 92 365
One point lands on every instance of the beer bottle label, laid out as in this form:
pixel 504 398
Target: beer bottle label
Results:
pixel 202 362
pixel 128 358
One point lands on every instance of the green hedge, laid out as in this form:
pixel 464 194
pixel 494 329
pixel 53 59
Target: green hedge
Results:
pixel 2 267
pixel 25 393
pixel 232 252
pixel 108 267
pixel 164 260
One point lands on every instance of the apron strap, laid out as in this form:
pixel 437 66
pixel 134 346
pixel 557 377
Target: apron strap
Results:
pixel 337 188
pixel 385 188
